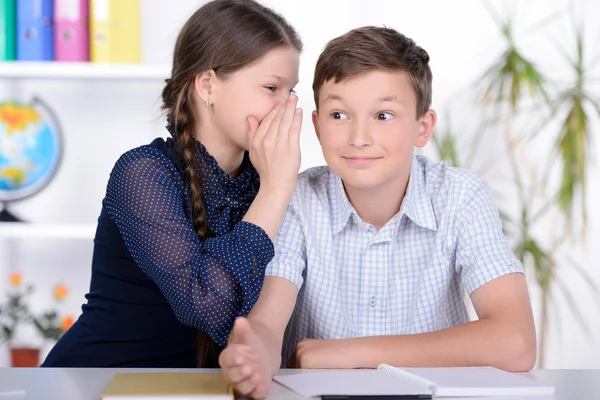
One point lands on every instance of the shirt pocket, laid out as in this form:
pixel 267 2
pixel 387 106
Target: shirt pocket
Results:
pixel 418 291
pixel 404 289
pixel 433 298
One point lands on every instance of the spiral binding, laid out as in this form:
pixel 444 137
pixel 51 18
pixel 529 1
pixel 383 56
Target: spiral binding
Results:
pixel 408 378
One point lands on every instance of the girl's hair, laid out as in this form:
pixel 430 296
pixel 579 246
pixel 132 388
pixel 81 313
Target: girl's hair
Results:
pixel 226 36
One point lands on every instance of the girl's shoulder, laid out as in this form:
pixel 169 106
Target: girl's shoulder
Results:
pixel 157 157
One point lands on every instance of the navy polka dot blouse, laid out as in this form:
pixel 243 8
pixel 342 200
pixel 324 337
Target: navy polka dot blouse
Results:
pixel 153 280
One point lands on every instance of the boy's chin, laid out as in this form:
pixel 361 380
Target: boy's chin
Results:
pixel 364 181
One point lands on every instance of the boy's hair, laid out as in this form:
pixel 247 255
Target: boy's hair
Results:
pixel 372 48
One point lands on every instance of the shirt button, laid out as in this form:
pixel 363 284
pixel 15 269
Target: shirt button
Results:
pixel 373 302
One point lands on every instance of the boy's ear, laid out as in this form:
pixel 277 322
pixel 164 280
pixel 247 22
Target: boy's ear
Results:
pixel 315 121
pixel 426 126
pixel 204 85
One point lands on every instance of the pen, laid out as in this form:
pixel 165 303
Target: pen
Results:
pixel 12 394
pixel 381 397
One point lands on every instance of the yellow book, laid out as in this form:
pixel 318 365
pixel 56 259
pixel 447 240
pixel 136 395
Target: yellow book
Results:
pixel 115 35
pixel 168 386
pixel 126 25
pixel 100 31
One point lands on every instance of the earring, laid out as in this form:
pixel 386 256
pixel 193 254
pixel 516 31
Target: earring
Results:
pixel 209 104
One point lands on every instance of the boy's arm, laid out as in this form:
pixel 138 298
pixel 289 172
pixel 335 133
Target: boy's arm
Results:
pixel 503 337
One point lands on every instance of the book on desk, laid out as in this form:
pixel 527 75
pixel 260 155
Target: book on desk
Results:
pixel 167 386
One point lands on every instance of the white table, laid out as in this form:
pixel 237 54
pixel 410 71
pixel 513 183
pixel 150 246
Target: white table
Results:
pixel 88 383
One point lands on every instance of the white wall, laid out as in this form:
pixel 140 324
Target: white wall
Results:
pixel 101 120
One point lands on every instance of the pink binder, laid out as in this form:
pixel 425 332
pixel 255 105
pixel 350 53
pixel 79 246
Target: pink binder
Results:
pixel 71 30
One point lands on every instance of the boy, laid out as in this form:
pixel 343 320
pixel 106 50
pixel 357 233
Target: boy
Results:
pixel 376 249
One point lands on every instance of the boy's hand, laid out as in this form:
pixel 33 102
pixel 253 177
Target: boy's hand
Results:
pixel 313 353
pixel 245 363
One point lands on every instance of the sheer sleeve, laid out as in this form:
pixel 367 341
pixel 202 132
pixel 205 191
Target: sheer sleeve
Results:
pixel 208 284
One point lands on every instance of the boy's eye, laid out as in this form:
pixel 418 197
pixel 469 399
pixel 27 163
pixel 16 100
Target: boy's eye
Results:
pixel 385 116
pixel 292 91
pixel 338 115
pixel 271 88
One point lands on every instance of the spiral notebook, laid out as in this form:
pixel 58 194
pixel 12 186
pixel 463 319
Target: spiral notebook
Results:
pixel 390 381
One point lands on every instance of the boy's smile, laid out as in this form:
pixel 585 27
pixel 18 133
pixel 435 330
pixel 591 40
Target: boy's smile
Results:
pixel 361 161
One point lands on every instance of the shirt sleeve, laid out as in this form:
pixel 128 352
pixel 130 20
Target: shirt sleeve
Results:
pixel 482 252
pixel 289 261
pixel 208 284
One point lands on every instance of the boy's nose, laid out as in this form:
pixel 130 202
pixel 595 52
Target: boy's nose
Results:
pixel 360 136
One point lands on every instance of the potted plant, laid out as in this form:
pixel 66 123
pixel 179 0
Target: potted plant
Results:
pixel 49 324
pixel 14 314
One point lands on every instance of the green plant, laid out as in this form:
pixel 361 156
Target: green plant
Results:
pixel 574 138
pixel 515 86
pixel 15 311
pixel 48 325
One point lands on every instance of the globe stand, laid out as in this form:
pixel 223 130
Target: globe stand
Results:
pixel 5 216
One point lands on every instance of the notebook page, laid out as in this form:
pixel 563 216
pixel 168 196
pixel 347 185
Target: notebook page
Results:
pixel 480 381
pixel 350 383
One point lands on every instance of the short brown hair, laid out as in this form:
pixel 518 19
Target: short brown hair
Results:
pixel 371 48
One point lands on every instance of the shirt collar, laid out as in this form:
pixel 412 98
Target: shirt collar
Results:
pixel 341 209
pixel 416 204
pixel 217 184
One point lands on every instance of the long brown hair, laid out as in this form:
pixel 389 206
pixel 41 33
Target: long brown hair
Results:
pixel 223 35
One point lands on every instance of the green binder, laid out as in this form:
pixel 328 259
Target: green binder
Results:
pixel 8 30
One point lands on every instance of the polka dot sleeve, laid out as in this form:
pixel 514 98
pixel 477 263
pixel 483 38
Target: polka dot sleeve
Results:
pixel 208 284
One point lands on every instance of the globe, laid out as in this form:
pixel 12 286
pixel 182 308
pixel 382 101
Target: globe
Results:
pixel 30 151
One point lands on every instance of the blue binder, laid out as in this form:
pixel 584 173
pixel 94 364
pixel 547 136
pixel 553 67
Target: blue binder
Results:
pixel 35 40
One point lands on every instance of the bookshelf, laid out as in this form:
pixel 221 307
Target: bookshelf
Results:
pixel 83 70
pixel 26 230
pixel 73 71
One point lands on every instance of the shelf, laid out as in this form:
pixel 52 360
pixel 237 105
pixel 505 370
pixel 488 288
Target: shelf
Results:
pixel 24 230
pixel 71 70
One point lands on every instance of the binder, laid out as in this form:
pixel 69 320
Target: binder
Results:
pixel 35 41
pixel 115 31
pixel 100 31
pixel 71 30
pixel 126 26
pixel 8 30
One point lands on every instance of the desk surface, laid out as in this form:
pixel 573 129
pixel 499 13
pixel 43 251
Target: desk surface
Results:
pixel 88 383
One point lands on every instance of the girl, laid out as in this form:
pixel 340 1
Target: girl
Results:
pixel 185 230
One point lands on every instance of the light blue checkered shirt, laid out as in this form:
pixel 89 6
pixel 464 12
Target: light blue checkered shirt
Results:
pixel 406 278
